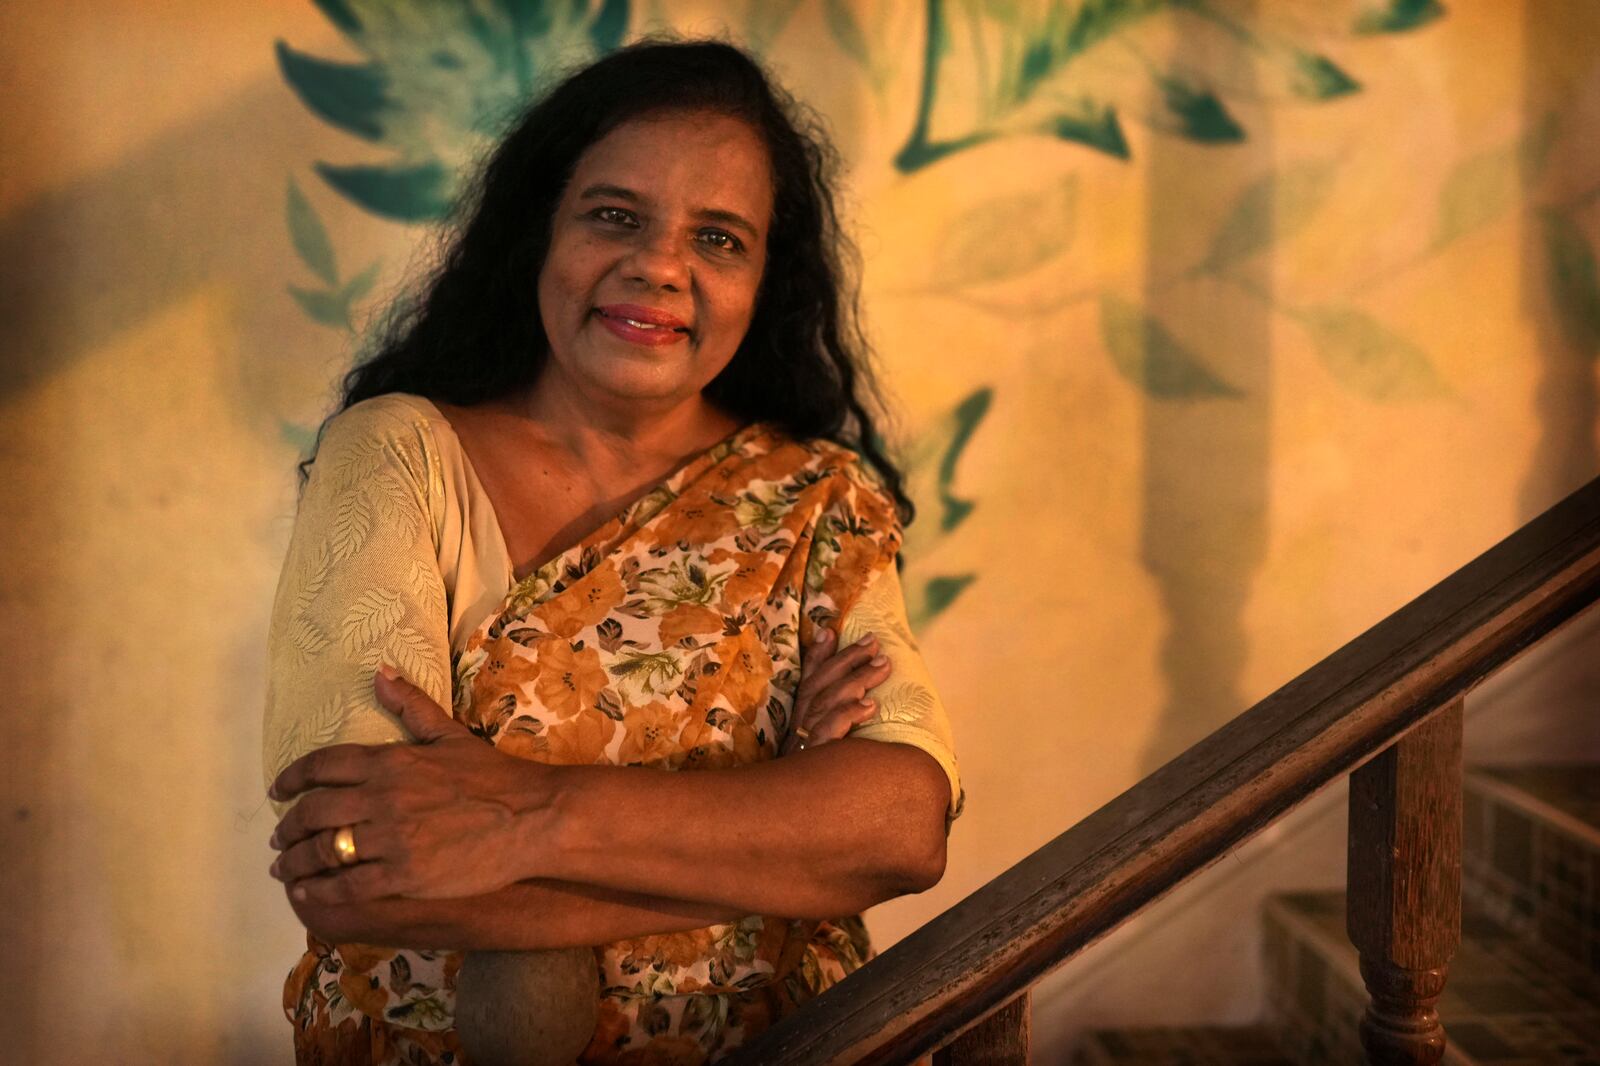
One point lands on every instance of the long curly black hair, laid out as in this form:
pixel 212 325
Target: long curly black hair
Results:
pixel 472 331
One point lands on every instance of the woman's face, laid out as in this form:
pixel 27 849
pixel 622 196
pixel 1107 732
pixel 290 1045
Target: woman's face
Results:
pixel 656 254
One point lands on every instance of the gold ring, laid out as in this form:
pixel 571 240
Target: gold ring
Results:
pixel 804 734
pixel 344 843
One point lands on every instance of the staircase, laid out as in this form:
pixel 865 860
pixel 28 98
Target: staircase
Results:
pixel 1524 986
pixel 1508 857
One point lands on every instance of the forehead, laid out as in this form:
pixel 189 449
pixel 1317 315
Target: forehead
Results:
pixel 703 159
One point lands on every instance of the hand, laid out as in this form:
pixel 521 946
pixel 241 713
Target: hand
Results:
pixel 832 695
pixel 436 819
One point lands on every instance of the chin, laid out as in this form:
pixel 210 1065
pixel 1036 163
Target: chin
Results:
pixel 651 388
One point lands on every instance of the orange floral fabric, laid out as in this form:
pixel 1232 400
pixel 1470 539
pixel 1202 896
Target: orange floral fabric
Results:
pixel 669 638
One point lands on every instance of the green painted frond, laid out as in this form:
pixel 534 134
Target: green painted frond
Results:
pixel 1368 358
pixel 404 193
pixel 1574 281
pixel 1317 77
pixel 309 236
pixel 1094 125
pixel 350 96
pixel 1146 354
pixel 1199 115
pixel 1393 16
pixel 610 26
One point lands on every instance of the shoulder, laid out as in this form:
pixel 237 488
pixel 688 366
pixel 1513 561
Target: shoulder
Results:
pixel 393 414
pixel 856 487
pixel 394 432
pixel 848 465
pixel 396 420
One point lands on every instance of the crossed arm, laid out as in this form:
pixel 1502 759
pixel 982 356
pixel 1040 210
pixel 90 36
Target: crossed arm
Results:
pixel 467 848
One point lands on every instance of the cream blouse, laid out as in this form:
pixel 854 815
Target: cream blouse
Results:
pixel 397 556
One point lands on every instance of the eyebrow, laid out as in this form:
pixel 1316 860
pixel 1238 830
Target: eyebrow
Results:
pixel 713 214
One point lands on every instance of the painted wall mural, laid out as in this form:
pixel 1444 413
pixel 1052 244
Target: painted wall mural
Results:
pixel 1214 330
pixel 438 80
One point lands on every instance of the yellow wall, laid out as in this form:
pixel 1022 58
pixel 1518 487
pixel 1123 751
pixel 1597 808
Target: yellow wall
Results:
pixel 1389 365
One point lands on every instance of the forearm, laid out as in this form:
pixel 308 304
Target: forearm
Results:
pixel 529 915
pixel 827 832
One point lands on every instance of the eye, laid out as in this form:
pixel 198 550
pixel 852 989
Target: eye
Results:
pixel 614 215
pixel 722 240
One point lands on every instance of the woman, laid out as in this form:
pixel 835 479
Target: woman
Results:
pixel 599 489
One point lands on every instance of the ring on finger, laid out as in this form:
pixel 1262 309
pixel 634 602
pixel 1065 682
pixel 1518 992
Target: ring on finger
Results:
pixel 804 734
pixel 344 845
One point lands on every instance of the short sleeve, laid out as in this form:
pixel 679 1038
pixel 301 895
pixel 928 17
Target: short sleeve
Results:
pixel 360 586
pixel 909 708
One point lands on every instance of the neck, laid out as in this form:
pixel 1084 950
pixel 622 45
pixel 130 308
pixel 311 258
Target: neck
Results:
pixel 622 436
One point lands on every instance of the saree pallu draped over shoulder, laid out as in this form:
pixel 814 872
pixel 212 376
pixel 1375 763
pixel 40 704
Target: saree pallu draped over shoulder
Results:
pixel 670 638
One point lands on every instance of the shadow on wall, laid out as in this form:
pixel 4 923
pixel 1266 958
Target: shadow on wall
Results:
pixel 1558 278
pixel 1204 516
pixel 82 267
pixel 81 264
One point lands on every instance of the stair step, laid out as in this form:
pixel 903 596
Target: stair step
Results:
pixel 1531 853
pixel 1195 1046
pixel 1508 1001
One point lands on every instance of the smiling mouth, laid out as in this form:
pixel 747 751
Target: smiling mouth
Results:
pixel 639 324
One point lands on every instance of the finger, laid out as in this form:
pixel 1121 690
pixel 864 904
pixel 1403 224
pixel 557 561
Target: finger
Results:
pixel 824 672
pixel 424 719
pixel 349 884
pixel 339 764
pixel 324 809
pixel 846 689
pixel 834 724
pixel 318 854
pixel 842 719
pixel 822 641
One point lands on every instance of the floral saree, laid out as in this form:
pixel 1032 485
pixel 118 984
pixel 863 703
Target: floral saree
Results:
pixel 669 638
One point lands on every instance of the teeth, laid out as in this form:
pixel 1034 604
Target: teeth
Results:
pixel 642 325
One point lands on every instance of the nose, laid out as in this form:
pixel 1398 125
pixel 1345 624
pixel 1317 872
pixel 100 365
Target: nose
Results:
pixel 658 262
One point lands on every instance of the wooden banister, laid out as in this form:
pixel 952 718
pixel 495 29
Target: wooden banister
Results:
pixel 985 951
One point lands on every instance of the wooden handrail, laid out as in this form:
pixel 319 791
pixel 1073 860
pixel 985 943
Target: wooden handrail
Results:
pixel 983 952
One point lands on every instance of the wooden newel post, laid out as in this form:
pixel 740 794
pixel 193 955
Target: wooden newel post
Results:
pixel 1001 1039
pixel 1404 876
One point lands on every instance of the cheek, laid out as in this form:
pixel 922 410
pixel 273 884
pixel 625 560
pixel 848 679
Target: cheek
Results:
pixel 567 280
pixel 738 300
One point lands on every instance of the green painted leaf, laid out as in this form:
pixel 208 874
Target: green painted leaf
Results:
pixel 360 285
pixel 350 96
pixel 329 308
pixel 310 239
pixel 960 427
pixel 1201 116
pixel 1319 78
pixel 919 153
pixel 404 193
pixel 1007 236
pixel 1147 355
pixel 847 32
pixel 1271 210
pixel 930 467
pixel 929 599
pixel 528 18
pixel 1094 125
pixel 610 26
pixel 765 19
pixel 1391 16
pixel 297 436
pixel 1479 189
pixel 1574 282
pixel 340 14
pixel 1366 357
